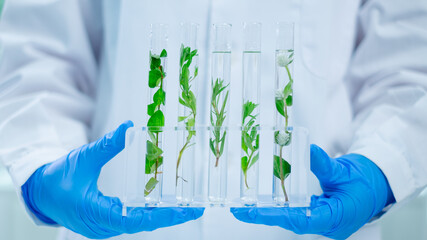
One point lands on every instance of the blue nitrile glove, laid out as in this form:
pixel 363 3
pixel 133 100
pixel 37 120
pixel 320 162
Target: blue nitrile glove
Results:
pixel 354 190
pixel 65 192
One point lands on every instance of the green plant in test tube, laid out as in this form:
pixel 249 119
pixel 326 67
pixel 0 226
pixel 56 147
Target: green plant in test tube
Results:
pixel 187 98
pixel 218 116
pixel 283 100
pixel 250 138
pixel 154 158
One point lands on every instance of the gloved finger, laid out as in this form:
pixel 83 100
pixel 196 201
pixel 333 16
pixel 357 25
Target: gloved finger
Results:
pixel 326 169
pixel 149 219
pixel 320 220
pixel 109 214
pixel 96 154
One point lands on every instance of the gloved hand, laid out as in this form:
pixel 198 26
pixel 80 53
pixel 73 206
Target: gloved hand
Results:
pixel 354 190
pixel 65 192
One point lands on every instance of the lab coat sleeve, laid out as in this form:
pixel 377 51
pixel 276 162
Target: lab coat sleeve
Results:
pixel 387 80
pixel 47 79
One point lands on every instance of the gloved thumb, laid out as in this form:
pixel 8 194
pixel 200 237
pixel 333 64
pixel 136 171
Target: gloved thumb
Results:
pixel 326 169
pixel 96 154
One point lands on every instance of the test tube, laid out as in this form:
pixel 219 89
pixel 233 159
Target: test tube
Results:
pixel 219 105
pixel 134 165
pixel 250 114
pixel 186 131
pixel 282 159
pixel 155 110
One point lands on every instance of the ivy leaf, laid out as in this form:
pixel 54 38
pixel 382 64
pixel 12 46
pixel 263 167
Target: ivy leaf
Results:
pixel 244 164
pixel 154 61
pixel 159 97
pixel 286 167
pixel 163 53
pixel 153 152
pixel 152 157
pixel 156 120
pixel 154 77
pixel 151 108
pixel 149 187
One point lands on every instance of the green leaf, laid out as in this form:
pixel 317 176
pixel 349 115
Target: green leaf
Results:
pixel 221 149
pixel 211 145
pixel 156 120
pixel 286 167
pixel 191 122
pixel 152 136
pixel 154 77
pixel 248 108
pixel 153 151
pixel 152 157
pixel 149 187
pixel 163 53
pixel 244 147
pixel 288 89
pixel 254 160
pixel 182 118
pixel 196 72
pixel 192 102
pixel 289 100
pixel 248 141
pixel 280 106
pixel 183 102
pixel 159 97
pixel 257 142
pixel 154 61
pixel 244 164
pixel 151 108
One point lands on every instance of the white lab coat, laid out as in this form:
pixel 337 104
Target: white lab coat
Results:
pixel 73 70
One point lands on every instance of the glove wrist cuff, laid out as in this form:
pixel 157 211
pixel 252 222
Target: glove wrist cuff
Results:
pixel 27 196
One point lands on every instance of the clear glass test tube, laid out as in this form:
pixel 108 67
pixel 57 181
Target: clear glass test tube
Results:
pixel 250 114
pixel 186 131
pixel 300 189
pixel 134 182
pixel 282 159
pixel 219 106
pixel 155 110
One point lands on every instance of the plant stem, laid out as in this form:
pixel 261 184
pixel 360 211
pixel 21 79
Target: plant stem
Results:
pixel 157 159
pixel 282 177
pixel 217 154
pixel 249 163
pixel 179 158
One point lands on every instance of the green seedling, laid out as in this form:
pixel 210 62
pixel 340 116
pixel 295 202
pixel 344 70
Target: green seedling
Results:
pixel 187 99
pixel 153 157
pixel 283 100
pixel 250 138
pixel 217 117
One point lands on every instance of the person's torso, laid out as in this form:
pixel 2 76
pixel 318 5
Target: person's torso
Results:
pixel 324 39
